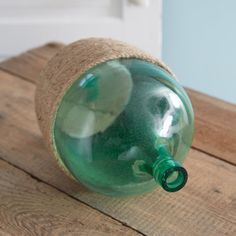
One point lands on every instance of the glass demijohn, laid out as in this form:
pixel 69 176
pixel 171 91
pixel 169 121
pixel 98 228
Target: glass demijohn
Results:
pixel 124 128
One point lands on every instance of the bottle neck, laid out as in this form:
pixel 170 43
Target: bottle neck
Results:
pixel 168 172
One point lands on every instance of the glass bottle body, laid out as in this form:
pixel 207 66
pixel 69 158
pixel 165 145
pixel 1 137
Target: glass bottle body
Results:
pixel 113 122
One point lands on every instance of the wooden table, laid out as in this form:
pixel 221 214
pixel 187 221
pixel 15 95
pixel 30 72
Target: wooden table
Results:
pixel 37 198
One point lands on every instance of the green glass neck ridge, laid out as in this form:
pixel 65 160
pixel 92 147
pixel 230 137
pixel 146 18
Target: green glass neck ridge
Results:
pixel 168 172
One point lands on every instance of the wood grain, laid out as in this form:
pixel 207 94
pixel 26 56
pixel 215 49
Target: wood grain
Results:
pixel 215 126
pixel 206 206
pixel 47 51
pixel 30 207
pixel 29 64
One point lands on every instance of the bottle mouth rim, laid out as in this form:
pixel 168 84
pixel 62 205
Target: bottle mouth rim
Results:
pixel 173 184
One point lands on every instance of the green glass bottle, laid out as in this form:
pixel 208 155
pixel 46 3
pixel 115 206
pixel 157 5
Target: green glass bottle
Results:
pixel 124 128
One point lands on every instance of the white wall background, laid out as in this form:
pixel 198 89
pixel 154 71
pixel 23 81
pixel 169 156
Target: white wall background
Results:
pixel 29 23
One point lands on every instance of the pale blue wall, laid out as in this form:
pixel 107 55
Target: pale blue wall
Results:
pixel 199 44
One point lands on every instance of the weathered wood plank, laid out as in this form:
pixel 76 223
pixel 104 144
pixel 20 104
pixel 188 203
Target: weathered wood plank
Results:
pixel 27 65
pixel 215 126
pixel 215 131
pixel 48 50
pixel 206 206
pixel 30 207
